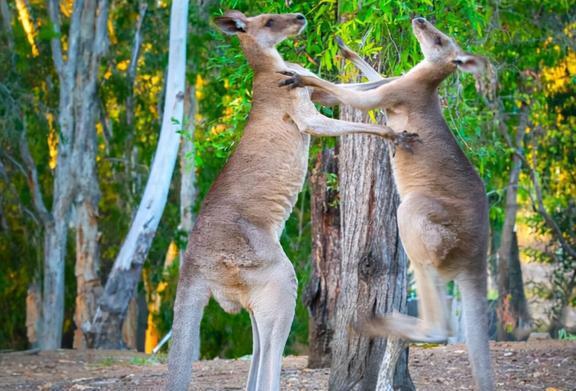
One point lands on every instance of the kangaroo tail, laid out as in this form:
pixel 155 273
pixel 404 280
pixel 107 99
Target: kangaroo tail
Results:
pixel 475 311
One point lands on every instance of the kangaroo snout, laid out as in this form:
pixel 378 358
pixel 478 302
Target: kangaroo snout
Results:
pixel 301 20
pixel 419 22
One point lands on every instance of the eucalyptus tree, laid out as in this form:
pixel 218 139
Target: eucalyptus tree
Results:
pixel 125 274
pixel 75 185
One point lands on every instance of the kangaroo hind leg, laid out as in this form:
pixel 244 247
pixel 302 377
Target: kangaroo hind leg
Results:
pixel 427 237
pixel 272 306
pixel 431 327
pixel 191 298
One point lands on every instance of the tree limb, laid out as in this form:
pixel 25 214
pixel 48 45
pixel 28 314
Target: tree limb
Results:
pixel 74 39
pixel 137 42
pixel 55 44
pixel 539 204
pixel 101 35
pixel 131 73
pixel 32 178
pixel 7 22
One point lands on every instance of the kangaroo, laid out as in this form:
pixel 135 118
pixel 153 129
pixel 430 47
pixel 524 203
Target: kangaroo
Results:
pixel 443 214
pixel 234 252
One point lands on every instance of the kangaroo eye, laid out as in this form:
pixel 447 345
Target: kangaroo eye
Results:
pixel 438 41
pixel 269 23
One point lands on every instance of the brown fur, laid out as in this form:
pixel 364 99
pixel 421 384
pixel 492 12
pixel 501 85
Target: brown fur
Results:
pixel 443 215
pixel 234 251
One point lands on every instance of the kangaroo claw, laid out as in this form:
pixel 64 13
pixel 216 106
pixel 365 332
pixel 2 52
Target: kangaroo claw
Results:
pixel 294 81
pixel 406 140
pixel 286 82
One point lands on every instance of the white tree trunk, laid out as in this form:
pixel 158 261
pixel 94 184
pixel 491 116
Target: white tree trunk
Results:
pixel 137 243
pixel 125 273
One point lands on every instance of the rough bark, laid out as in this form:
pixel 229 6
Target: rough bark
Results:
pixel 125 274
pixel 33 311
pixel 87 267
pixel 130 325
pixel 92 44
pixel 374 265
pixel 393 373
pixel 512 309
pixel 55 239
pixel 74 177
pixel 321 292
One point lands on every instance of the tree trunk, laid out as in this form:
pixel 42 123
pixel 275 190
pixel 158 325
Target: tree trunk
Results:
pixel 33 311
pixel 92 44
pixel 125 274
pixel 374 265
pixel 512 310
pixel 55 239
pixel 188 189
pixel 321 292
pixel 130 325
pixel 74 177
pixel 88 285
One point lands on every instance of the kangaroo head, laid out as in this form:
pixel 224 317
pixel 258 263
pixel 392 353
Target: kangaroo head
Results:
pixel 442 51
pixel 266 30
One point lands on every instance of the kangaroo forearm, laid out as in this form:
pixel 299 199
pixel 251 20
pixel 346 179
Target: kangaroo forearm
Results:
pixel 326 98
pixel 369 85
pixel 364 100
pixel 324 126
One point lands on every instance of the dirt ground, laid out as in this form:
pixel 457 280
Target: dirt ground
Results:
pixel 539 365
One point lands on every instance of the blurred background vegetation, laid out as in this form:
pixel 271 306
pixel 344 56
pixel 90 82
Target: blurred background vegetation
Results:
pixel 530 44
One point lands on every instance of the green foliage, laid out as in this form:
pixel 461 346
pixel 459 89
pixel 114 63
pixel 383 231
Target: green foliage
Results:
pixel 564 335
pixel 529 43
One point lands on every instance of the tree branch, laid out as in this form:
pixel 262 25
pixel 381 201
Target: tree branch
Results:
pixel 3 173
pixel 7 22
pixel 14 162
pixel 32 177
pixel 131 73
pixel 101 35
pixel 539 204
pixel 55 44
pixel 74 39
pixel 137 42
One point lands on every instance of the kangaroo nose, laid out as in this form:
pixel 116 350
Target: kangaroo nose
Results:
pixel 300 17
pixel 420 20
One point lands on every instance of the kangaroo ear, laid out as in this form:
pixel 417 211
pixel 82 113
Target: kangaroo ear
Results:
pixel 470 63
pixel 232 22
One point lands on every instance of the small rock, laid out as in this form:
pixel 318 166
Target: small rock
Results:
pixel 538 337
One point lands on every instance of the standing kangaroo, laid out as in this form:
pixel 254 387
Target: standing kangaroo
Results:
pixel 234 252
pixel 443 214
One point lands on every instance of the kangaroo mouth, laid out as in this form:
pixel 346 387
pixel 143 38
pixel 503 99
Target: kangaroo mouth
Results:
pixel 303 23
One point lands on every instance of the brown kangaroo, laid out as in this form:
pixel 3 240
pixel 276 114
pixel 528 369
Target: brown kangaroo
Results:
pixel 234 252
pixel 443 215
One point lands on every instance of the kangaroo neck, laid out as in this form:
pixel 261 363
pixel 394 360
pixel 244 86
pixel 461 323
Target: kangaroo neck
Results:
pixel 261 59
pixel 430 74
